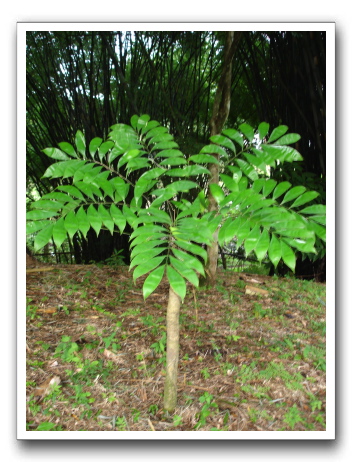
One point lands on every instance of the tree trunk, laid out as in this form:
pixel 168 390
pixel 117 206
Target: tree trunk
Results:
pixel 172 350
pixel 220 114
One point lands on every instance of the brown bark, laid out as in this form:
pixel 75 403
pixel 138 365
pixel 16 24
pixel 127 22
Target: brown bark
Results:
pixel 172 350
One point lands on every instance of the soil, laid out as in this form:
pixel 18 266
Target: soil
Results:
pixel 231 335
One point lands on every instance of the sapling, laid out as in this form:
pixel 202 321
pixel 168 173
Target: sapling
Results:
pixel 139 177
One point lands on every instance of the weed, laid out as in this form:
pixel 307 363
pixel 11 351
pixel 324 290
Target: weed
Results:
pixel 317 355
pixel 31 310
pixel 177 420
pixel 67 350
pixel 153 409
pixel 206 410
pixel 48 427
pixel 293 417
pixel 116 259
pixel 205 373
pixel 160 346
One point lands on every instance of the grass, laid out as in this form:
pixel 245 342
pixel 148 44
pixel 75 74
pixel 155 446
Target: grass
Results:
pixel 247 363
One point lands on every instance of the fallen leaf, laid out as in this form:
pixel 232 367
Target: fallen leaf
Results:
pixel 251 290
pixel 46 387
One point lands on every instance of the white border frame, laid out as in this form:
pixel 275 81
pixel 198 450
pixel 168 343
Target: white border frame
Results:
pixel 22 28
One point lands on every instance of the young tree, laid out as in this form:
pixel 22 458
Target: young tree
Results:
pixel 170 230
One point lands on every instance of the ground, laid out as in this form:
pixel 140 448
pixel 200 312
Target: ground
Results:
pixel 252 353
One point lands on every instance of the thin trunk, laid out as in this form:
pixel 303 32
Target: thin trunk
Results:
pixel 172 350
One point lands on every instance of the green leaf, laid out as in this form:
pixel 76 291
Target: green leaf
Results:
pixel 173 161
pixel 234 135
pixel 165 145
pixel 142 186
pixel 255 161
pixel 262 245
pixel 288 255
pixel 43 237
pixel 129 155
pixel 154 173
pixel 248 131
pixel 131 218
pixel 306 197
pixel 94 219
pixel 181 186
pixel 214 149
pixel 269 185
pixel 203 159
pixel 94 145
pixel 185 271
pixel 274 251
pixel 223 141
pixel 290 138
pixel 144 257
pixel 217 192
pixel 252 239
pixel 40 214
pixel 71 224
pixel 80 143
pixel 55 153
pixel 59 232
pixel 120 186
pixel 282 153
pixel 72 190
pixel 68 148
pixel 118 217
pixel 277 133
pixel 176 281
pixel 320 231
pixel 151 230
pixel 107 219
pixel 169 153
pixel 104 148
pixel 34 226
pixel 263 130
pixel 147 267
pixel 281 188
pixel 156 214
pixel 87 189
pixel 83 222
pixel 192 248
pixel 247 169
pixel 293 193
pixel 317 209
pixel 145 246
pixel 229 182
pixel 152 281
pixel 47 205
pixel 188 260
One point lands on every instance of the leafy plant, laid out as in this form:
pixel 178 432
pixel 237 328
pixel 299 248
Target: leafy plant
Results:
pixel 207 408
pixel 167 210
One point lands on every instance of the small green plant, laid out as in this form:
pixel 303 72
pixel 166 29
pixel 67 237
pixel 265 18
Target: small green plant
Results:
pixel 205 373
pixel 177 420
pixel 48 427
pixel 153 409
pixel 160 346
pixel 293 417
pixel 31 310
pixel 208 406
pixel 317 355
pixel 81 397
pixel 116 259
pixel 67 350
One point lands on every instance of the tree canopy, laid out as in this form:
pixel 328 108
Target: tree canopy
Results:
pixel 90 80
